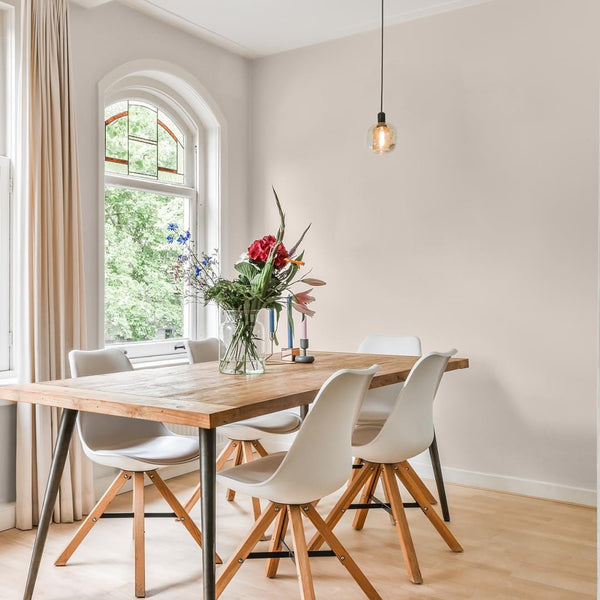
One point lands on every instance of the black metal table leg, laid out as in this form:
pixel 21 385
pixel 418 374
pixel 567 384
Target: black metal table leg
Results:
pixel 208 506
pixel 65 433
pixel 439 478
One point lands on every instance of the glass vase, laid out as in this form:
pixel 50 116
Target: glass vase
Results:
pixel 243 343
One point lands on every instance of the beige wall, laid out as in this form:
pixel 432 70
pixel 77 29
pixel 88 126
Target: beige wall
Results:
pixel 112 35
pixel 479 231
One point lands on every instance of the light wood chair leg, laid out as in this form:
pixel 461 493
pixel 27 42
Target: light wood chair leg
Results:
pixel 355 472
pixel 407 468
pixel 341 552
pixel 237 460
pixel 259 448
pixel 361 514
pixel 138 525
pixel 426 507
pixel 179 511
pixel 249 457
pixel 408 548
pixel 122 478
pixel 221 460
pixel 307 590
pixel 337 512
pixel 387 501
pixel 240 555
pixel 279 531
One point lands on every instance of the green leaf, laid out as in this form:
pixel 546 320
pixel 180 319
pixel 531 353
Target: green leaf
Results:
pixel 247 269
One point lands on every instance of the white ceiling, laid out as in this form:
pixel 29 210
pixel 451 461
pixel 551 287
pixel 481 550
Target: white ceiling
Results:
pixel 259 27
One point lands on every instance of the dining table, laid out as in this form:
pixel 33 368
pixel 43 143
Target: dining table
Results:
pixel 196 395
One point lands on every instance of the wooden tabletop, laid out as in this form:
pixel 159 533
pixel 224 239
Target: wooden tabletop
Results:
pixel 200 396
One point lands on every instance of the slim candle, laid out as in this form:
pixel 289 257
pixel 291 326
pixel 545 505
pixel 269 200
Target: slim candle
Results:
pixel 304 328
pixel 289 315
pixel 271 320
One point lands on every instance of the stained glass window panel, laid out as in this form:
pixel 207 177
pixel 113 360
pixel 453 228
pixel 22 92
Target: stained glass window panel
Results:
pixel 143 158
pixel 141 140
pixel 143 121
pixel 167 150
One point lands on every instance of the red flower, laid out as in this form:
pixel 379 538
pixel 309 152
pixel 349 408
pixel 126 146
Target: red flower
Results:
pixel 259 250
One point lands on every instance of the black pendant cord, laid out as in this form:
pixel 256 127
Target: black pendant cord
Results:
pixel 381 99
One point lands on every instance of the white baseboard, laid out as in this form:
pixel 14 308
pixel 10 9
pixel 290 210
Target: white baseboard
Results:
pixel 514 485
pixel 7 516
pixel 498 483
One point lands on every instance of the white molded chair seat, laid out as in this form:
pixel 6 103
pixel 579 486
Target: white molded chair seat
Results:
pixel 379 402
pixel 146 453
pixel 317 463
pixel 280 423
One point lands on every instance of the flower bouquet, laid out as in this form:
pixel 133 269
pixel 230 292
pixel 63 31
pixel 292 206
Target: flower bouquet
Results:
pixel 267 274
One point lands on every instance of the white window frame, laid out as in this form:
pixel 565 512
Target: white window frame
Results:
pixel 9 34
pixel 160 351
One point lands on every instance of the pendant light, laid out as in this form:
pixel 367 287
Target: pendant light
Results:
pixel 382 135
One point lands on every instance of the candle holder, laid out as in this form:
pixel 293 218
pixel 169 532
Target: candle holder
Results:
pixel 290 354
pixel 303 357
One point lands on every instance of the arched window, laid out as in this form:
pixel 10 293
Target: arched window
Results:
pixel 150 180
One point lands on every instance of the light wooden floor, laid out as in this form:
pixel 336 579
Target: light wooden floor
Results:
pixel 516 548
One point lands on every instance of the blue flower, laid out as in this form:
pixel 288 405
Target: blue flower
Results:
pixel 183 237
pixel 207 260
pixel 173 226
pixel 170 239
pixel 197 271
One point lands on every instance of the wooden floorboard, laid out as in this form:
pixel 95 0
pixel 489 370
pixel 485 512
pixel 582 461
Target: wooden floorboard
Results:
pixel 515 548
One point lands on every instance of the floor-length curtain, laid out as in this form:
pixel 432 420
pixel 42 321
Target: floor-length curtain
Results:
pixel 54 282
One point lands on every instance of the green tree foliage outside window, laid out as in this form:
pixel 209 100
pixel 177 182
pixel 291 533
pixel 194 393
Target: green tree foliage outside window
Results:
pixel 139 300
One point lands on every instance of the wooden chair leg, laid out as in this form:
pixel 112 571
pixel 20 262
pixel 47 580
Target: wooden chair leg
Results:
pixel 426 507
pixel 408 548
pixel 138 527
pixel 237 460
pixel 355 472
pixel 407 468
pixel 387 501
pixel 248 457
pixel 259 448
pixel 307 590
pixel 343 503
pixel 179 511
pixel 361 514
pixel 221 460
pixel 122 478
pixel 279 531
pixel 342 554
pixel 240 555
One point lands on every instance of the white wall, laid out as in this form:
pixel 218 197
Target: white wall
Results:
pixel 111 35
pixel 479 231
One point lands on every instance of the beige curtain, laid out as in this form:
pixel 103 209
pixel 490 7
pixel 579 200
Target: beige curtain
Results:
pixel 55 299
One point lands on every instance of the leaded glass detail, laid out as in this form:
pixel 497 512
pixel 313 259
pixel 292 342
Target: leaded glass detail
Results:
pixel 141 140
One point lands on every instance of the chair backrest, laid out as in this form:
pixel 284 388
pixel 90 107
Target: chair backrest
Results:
pixel 408 430
pixel 96 431
pixel 403 345
pixel 320 457
pixel 199 351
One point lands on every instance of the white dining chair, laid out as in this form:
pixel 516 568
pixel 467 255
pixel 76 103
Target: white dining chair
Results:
pixel 317 463
pixel 244 436
pixel 379 403
pixel 134 446
pixel 384 451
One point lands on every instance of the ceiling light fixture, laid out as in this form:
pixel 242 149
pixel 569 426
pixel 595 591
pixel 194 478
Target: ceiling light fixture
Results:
pixel 382 135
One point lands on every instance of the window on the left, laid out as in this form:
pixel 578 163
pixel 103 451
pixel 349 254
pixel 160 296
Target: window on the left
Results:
pixel 8 103
pixel 149 179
